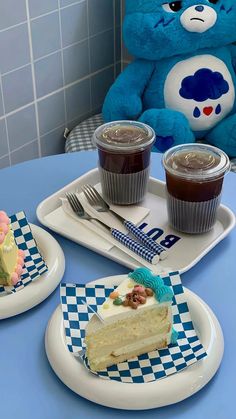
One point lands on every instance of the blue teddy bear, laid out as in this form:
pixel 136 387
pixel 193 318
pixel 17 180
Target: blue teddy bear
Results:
pixel 182 81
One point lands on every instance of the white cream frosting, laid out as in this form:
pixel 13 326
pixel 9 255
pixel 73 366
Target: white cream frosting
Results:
pixel 142 343
pixel 115 313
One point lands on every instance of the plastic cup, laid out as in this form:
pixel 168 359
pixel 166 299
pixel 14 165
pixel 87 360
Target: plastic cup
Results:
pixel 194 179
pixel 124 150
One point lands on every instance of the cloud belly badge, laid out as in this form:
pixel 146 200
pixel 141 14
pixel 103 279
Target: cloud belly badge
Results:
pixel 202 88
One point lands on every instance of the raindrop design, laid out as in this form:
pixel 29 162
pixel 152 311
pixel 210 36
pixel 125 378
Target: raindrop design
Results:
pixel 196 112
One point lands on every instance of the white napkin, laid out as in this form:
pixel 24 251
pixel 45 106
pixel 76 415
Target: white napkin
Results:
pixel 135 214
pixel 132 213
pixel 74 229
pixel 64 221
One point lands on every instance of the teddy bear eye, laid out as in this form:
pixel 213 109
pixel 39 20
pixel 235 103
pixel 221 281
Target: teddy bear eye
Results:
pixel 172 7
pixel 213 1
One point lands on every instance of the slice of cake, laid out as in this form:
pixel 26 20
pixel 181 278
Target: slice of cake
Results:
pixel 11 258
pixel 135 319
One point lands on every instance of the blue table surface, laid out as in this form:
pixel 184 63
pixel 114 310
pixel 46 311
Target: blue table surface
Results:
pixel 28 386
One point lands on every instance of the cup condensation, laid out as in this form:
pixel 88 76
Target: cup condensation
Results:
pixel 194 179
pixel 124 150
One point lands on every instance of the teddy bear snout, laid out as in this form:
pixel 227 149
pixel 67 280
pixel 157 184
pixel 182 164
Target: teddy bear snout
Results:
pixel 198 18
pixel 199 8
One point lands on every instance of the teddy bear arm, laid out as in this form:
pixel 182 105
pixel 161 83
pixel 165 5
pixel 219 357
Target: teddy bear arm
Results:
pixel 171 127
pixel 124 99
pixel 233 55
pixel 224 135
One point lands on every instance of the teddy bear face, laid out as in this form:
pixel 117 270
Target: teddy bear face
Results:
pixel 156 29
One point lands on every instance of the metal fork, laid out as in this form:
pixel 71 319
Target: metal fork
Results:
pixel 136 247
pixel 100 205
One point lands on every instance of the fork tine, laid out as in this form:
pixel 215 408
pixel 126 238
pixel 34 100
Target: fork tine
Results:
pixel 73 202
pixel 98 196
pixel 100 199
pixel 70 201
pixel 77 202
pixel 92 194
pixel 88 196
pixel 89 191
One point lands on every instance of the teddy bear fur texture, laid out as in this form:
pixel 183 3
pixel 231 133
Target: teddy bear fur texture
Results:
pixel 182 80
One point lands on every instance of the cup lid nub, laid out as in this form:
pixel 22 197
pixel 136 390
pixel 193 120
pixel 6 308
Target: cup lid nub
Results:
pixel 124 136
pixel 196 162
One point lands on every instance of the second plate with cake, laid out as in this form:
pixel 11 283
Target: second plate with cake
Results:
pixel 37 291
pixel 137 396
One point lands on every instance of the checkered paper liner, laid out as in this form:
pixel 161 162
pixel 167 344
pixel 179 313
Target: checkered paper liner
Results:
pixel 145 368
pixel 34 263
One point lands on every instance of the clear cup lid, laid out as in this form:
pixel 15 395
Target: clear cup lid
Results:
pixel 125 136
pixel 196 162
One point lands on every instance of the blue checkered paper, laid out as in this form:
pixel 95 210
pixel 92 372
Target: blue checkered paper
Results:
pixel 145 368
pixel 34 263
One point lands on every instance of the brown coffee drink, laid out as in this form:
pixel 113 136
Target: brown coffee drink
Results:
pixel 124 150
pixel 194 179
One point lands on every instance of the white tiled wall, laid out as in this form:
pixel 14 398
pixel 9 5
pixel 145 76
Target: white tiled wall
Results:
pixel 57 60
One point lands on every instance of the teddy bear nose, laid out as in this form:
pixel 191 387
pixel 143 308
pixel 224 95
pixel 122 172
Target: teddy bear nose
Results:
pixel 199 8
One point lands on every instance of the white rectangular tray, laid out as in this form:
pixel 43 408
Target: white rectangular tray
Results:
pixel 184 253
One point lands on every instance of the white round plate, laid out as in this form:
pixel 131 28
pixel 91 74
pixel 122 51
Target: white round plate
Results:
pixel 159 393
pixel 39 290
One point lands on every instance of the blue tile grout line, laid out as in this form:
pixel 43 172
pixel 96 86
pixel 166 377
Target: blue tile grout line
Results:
pixel 33 77
pixel 62 59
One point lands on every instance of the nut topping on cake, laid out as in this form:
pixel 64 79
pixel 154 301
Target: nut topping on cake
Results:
pixel 145 278
pixel 136 297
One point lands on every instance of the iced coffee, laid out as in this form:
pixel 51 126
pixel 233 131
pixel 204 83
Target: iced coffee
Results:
pixel 124 150
pixel 194 179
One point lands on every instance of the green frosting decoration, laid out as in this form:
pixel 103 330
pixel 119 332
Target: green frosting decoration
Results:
pixel 141 275
pixel 118 301
pixel 3 275
pixel 144 276
pixel 174 336
pixel 164 294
